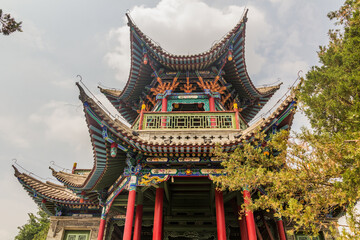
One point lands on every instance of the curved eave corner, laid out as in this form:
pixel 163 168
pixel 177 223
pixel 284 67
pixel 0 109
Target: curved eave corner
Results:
pixel 69 179
pixel 106 169
pixel 265 94
pixel 47 195
pixel 281 118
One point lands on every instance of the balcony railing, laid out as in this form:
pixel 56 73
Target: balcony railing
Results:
pixel 189 120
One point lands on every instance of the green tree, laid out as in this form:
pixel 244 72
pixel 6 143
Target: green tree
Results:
pixel 36 228
pixel 8 24
pixel 331 92
pixel 314 174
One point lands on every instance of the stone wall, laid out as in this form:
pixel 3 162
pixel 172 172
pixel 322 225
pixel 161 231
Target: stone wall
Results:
pixel 58 226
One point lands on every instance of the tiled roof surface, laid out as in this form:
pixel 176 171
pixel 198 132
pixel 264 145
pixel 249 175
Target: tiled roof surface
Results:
pixel 46 190
pixel 74 180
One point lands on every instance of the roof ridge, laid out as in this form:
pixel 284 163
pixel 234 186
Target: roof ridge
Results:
pixel 154 45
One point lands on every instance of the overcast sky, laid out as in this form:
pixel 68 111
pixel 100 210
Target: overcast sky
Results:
pixel 41 117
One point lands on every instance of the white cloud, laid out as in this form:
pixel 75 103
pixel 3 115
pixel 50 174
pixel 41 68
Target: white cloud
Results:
pixel 12 130
pixel 31 36
pixel 66 83
pixel 63 122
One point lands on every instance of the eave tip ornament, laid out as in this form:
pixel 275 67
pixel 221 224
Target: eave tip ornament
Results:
pixel 113 150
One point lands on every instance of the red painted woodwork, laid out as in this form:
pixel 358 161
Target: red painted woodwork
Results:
pixel 250 222
pixel 101 229
pixel 212 109
pixel 281 230
pixel 242 223
pixel 212 104
pixel 237 121
pixel 220 215
pixel 158 214
pixel 164 109
pixel 164 104
pixel 141 118
pixel 129 215
pixel 138 222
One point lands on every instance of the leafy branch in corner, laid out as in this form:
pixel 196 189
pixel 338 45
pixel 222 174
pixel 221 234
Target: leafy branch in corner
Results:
pixel 8 24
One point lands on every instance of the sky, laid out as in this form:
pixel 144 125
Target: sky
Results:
pixel 42 123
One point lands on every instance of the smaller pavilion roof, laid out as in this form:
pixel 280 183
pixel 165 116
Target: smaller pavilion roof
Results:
pixel 70 179
pixel 46 190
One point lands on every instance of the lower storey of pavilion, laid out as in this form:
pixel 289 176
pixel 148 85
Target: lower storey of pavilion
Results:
pixel 190 208
pixel 180 208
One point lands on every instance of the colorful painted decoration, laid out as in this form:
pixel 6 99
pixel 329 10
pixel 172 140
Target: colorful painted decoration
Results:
pixel 189 159
pixel 230 56
pixel 113 150
pixel 188 172
pixel 145 59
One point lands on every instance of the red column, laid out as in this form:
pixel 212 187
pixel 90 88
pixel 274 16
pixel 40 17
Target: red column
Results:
pixel 212 104
pixel 141 116
pixel 237 121
pixel 102 224
pixel 281 230
pixel 158 214
pixel 138 222
pixel 163 109
pixel 250 222
pixel 220 215
pixel 212 109
pixel 164 104
pixel 242 223
pixel 129 215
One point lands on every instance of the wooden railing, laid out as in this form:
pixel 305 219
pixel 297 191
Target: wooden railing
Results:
pixel 189 120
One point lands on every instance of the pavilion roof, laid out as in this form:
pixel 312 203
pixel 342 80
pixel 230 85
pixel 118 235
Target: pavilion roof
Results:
pixel 48 194
pixel 127 101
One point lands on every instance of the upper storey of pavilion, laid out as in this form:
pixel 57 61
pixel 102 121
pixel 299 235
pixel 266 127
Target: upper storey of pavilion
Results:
pixel 220 70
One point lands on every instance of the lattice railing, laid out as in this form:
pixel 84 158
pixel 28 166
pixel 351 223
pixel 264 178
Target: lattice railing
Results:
pixel 189 120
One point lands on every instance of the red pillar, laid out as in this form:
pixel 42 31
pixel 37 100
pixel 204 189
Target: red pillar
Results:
pixel 138 222
pixel 220 215
pixel 164 109
pixel 158 214
pixel 281 230
pixel 141 116
pixel 242 223
pixel 250 222
pixel 102 224
pixel 237 121
pixel 164 104
pixel 212 109
pixel 129 215
pixel 212 104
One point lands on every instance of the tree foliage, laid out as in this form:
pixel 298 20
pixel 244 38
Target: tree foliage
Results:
pixel 312 176
pixel 331 92
pixel 36 228
pixel 8 24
